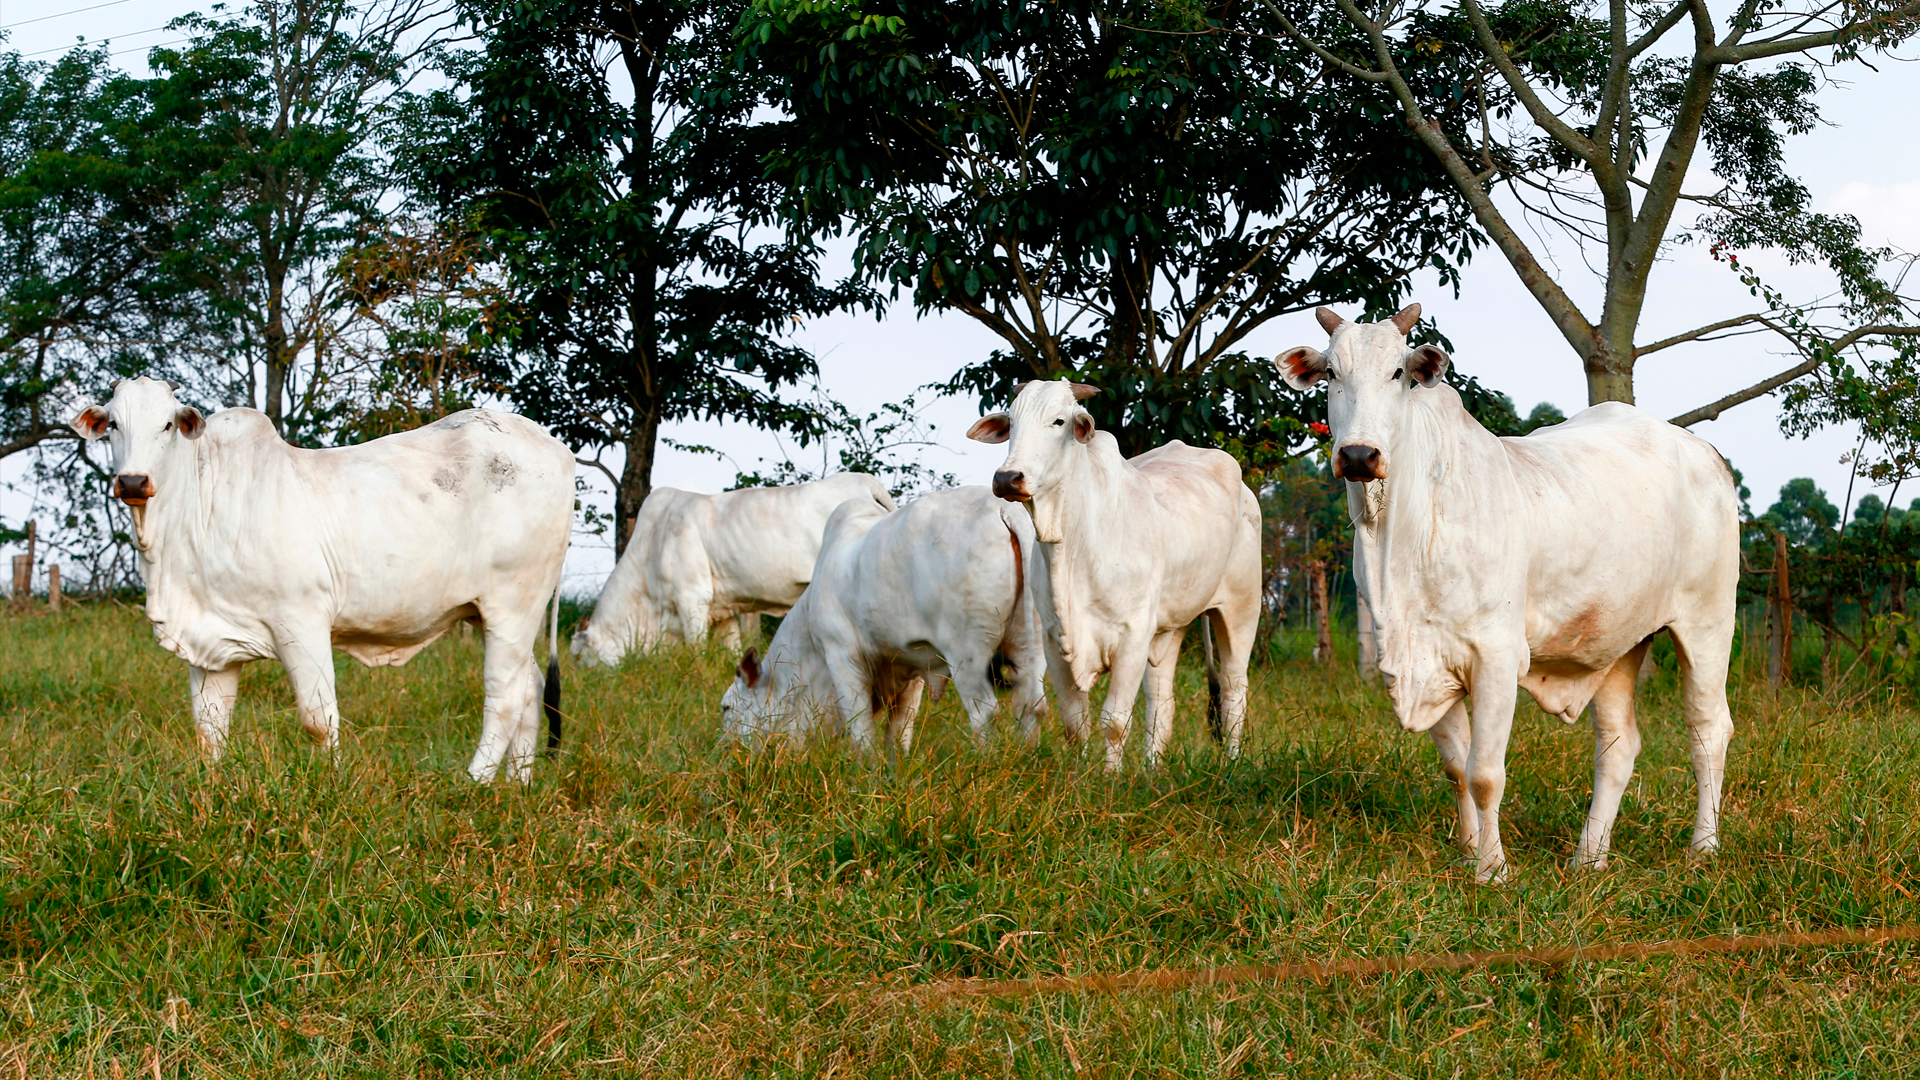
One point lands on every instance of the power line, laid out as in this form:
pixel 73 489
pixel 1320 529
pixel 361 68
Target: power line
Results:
pixel 63 14
pixel 108 39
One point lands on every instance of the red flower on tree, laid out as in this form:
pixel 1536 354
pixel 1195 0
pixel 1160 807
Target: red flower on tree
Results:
pixel 1319 429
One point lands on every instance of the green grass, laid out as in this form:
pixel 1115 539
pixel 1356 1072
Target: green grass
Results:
pixel 654 904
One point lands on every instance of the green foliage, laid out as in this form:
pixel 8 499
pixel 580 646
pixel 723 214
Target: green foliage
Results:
pixel 610 156
pixel 1803 512
pixel 653 904
pixel 1120 190
pixel 890 443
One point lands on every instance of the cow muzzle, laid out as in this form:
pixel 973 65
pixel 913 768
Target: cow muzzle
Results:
pixel 1011 485
pixel 134 489
pixel 1359 463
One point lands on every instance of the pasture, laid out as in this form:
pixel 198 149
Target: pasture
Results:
pixel 653 903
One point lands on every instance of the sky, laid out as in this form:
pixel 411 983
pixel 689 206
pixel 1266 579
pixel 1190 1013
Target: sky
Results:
pixel 1865 161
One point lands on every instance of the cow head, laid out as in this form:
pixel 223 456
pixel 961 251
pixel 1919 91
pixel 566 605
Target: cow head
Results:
pixel 145 427
pixel 1047 431
pixel 1369 371
pixel 748 708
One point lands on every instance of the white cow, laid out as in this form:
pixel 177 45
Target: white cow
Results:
pixel 252 549
pixel 1546 562
pixel 1136 550
pixel 935 588
pixel 695 560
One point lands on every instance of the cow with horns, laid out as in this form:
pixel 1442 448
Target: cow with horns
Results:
pixel 1547 562
pixel 255 549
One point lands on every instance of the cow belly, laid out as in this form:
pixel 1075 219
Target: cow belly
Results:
pixel 395 645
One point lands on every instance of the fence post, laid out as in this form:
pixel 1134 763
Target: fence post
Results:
pixel 1322 623
pixel 1779 617
pixel 53 588
pixel 22 578
pixel 1369 645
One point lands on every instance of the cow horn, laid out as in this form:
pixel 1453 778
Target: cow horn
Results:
pixel 1019 386
pixel 173 386
pixel 1330 319
pixel 1408 317
pixel 1083 391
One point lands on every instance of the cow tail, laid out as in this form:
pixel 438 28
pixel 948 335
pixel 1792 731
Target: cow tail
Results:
pixel 551 698
pixel 1214 723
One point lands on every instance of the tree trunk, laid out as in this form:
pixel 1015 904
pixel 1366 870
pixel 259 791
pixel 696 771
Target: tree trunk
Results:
pixel 636 477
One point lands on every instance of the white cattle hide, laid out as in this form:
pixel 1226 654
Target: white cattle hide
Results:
pixel 252 549
pixel 1136 550
pixel 935 588
pixel 1546 562
pixel 695 560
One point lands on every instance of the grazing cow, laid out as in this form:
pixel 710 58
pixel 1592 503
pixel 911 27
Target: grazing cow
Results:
pixel 252 548
pixel 1546 562
pixel 935 588
pixel 695 560
pixel 1136 550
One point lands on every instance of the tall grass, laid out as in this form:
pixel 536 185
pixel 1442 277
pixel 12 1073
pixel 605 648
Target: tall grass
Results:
pixel 656 904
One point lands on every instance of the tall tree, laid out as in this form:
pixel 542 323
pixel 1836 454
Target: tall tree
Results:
pixel 80 219
pixel 1120 188
pixel 609 152
pixel 1593 123
pixel 273 118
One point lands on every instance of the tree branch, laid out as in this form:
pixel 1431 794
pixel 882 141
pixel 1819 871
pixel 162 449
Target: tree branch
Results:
pixel 1805 367
pixel 1595 156
pixel 1760 50
pixel 1691 335
pixel 1352 69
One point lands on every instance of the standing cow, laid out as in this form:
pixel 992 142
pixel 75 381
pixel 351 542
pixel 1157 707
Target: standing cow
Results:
pixel 696 560
pixel 1546 562
pixel 933 589
pixel 252 549
pixel 1136 550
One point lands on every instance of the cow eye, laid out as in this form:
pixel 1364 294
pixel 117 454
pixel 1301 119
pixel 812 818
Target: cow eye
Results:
pixel 113 425
pixel 1397 372
pixel 1060 422
pixel 168 426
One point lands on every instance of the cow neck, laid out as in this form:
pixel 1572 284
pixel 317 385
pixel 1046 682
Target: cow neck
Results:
pixel 1088 513
pixel 174 522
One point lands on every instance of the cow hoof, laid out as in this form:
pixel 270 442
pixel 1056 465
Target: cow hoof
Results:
pixel 1587 862
pixel 1496 875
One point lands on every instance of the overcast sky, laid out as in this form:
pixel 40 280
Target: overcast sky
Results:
pixel 1866 162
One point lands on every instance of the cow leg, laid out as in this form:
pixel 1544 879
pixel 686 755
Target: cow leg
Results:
pixel 977 697
pixel 1162 657
pixel 1704 655
pixel 1453 738
pixel 853 688
pixel 905 712
pixel 1116 713
pixel 1075 704
pixel 1023 652
pixel 512 681
pixel 1233 631
pixel 1495 687
pixel 213 694
pixel 308 659
pixel 1616 745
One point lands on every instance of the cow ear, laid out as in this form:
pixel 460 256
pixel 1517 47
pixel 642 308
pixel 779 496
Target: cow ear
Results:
pixel 1427 363
pixel 1082 425
pixel 1407 319
pixel 91 423
pixel 189 421
pixel 1303 366
pixel 750 668
pixel 991 428
pixel 1083 391
pixel 1328 319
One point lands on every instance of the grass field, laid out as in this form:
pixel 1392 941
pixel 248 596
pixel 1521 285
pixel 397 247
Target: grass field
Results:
pixel 656 904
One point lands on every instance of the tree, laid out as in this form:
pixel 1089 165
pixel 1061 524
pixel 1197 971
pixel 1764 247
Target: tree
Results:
pixel 1593 123
pixel 1803 512
pixel 272 118
pixel 609 154
pixel 80 218
pixel 1122 189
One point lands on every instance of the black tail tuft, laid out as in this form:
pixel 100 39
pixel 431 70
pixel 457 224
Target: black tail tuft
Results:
pixel 552 702
pixel 1215 724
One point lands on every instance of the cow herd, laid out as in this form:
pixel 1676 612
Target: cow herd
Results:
pixel 1488 565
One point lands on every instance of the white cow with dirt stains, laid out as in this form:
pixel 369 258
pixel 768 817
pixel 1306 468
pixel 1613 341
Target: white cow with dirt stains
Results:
pixel 1546 562
pixel 699 560
pixel 935 588
pixel 1136 550
pixel 253 549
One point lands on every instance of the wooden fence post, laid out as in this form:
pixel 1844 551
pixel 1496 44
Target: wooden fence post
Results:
pixel 53 588
pixel 1322 622
pixel 22 578
pixel 1779 617
pixel 1369 644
